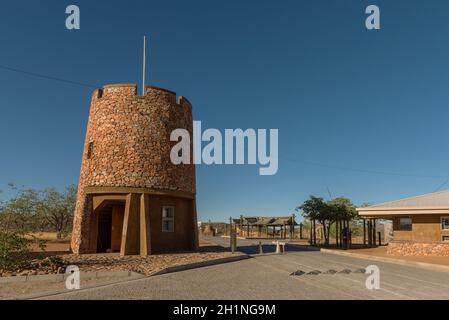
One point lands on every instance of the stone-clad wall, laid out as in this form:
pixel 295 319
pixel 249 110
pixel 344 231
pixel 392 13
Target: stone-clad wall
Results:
pixel 405 248
pixel 131 146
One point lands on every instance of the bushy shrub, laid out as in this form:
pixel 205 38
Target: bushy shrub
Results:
pixel 13 250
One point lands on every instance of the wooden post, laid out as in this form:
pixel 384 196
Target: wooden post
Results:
pixel 336 233
pixel 230 233
pixel 340 236
pixel 93 230
pixel 292 227
pixel 348 235
pixel 364 232
pixel 145 243
pixel 374 232
pixel 311 232
pixel 291 230
pixel 368 232
pixel 130 234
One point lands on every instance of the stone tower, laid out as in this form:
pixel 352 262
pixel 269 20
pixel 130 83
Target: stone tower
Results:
pixel 131 198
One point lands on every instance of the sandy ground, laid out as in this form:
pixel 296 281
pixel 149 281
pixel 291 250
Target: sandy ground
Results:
pixel 62 247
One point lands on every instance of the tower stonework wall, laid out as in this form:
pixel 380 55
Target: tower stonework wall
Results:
pixel 128 145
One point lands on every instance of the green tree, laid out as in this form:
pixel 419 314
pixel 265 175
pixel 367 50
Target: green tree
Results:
pixel 343 209
pixel 339 211
pixel 20 213
pixel 316 209
pixel 56 209
pixel 343 212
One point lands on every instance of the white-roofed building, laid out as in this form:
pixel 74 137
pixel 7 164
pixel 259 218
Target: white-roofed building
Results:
pixel 420 224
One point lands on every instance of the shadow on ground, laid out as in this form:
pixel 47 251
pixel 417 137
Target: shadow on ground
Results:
pixel 271 248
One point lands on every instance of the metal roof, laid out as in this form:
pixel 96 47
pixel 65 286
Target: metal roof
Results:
pixel 436 199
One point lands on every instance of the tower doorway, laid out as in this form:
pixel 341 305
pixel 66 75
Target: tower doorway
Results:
pixel 104 230
pixel 110 228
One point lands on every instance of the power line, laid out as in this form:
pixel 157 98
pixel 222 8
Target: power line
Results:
pixel 363 170
pixel 42 76
pixel 442 185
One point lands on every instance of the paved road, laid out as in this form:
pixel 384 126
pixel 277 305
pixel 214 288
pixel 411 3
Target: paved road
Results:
pixel 269 277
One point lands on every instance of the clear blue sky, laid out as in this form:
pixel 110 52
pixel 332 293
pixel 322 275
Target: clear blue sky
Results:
pixel 341 96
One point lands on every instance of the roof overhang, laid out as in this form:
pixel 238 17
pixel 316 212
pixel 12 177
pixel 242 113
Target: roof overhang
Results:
pixel 403 211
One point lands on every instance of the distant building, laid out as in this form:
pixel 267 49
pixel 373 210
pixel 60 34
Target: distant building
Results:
pixel 275 227
pixel 420 224
pixel 214 228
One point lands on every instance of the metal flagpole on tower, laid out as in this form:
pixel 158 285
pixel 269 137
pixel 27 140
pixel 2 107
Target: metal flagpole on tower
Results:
pixel 144 64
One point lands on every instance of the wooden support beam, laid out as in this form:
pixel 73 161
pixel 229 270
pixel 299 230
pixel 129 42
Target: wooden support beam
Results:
pixel 368 231
pixel 336 233
pixel 145 237
pixel 311 232
pixel 364 231
pixel 93 239
pixel 130 235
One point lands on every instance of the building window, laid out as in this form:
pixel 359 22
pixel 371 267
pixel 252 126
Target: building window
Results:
pixel 446 238
pixel 405 224
pixel 90 150
pixel 168 219
pixel 445 223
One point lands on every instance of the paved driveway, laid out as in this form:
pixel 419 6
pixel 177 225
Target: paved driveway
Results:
pixel 269 277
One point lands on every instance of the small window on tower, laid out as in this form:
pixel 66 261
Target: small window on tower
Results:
pixel 168 219
pixel 90 150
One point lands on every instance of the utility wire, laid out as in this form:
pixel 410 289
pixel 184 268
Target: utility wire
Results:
pixel 363 170
pixel 442 185
pixel 37 75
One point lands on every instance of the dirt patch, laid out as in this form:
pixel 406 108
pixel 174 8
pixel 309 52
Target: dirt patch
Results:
pixel 55 262
pixel 48 236
pixel 146 266
pixel 51 248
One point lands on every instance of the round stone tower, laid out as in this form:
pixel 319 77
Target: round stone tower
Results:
pixel 131 198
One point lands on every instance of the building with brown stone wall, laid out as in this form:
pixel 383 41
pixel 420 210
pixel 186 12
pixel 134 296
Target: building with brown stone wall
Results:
pixel 420 224
pixel 131 198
